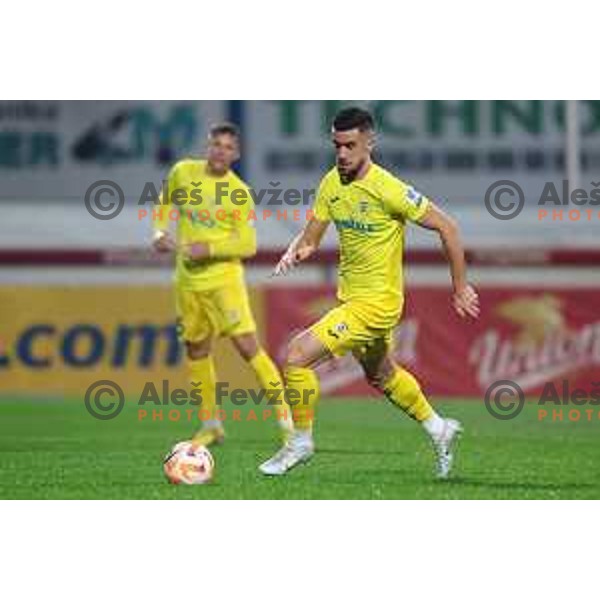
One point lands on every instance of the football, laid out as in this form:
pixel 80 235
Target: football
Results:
pixel 188 464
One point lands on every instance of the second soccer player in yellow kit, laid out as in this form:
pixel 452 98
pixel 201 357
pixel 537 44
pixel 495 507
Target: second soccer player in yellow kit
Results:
pixel 214 235
pixel 370 209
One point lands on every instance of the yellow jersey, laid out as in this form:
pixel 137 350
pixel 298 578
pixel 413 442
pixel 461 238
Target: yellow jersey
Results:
pixel 218 211
pixel 370 215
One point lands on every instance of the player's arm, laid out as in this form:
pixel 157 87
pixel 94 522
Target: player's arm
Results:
pixel 303 245
pixel 465 299
pixel 307 242
pixel 238 245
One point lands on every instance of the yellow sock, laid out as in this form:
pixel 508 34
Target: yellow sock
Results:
pixel 203 370
pixel 270 379
pixel 303 394
pixel 404 391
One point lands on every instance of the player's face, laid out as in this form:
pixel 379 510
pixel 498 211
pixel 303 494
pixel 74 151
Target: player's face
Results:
pixel 223 150
pixel 352 151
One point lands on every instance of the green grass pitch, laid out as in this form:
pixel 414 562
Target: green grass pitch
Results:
pixel 365 449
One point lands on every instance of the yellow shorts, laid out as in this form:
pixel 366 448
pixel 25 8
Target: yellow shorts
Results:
pixel 223 311
pixel 347 328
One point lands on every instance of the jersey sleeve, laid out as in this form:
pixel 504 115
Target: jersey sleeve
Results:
pixel 404 201
pixel 321 205
pixel 241 242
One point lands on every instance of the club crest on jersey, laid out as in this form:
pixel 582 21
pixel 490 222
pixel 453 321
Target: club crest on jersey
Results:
pixel 337 330
pixel 413 196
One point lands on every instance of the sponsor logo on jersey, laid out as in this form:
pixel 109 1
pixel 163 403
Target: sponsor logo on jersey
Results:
pixel 354 225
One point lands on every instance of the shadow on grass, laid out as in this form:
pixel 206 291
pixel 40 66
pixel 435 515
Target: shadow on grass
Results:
pixel 352 451
pixel 466 482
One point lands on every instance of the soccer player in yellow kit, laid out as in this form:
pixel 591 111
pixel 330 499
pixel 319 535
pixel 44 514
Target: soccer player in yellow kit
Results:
pixel 370 208
pixel 214 235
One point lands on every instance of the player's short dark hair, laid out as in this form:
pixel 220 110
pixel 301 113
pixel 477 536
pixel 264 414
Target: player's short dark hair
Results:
pixel 353 117
pixel 225 128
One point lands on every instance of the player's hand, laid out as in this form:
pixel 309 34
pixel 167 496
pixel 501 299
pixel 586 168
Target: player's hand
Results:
pixel 291 258
pixel 197 251
pixel 163 242
pixel 286 263
pixel 466 302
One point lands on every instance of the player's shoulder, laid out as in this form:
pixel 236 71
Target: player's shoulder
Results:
pixel 386 179
pixel 391 187
pixel 398 194
pixel 188 163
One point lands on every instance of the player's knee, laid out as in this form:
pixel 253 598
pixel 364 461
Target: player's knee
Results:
pixel 296 355
pixel 198 350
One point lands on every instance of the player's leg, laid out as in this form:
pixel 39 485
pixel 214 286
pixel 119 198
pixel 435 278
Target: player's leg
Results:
pixel 304 352
pixel 202 369
pixel 268 375
pixel 333 335
pixel 235 320
pixel 197 330
pixel 402 389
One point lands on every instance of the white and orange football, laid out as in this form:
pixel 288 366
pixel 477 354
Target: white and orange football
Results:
pixel 188 464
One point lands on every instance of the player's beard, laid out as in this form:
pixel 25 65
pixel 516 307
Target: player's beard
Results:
pixel 350 176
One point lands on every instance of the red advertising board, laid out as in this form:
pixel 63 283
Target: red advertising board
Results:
pixel 528 335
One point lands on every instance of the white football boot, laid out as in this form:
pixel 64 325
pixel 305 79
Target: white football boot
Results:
pixel 444 445
pixel 294 452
